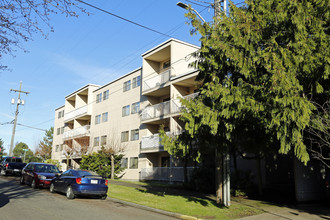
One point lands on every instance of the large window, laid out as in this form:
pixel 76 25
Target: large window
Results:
pixel 58 131
pixel 62 130
pixel 96 141
pixel 127 85
pixel 103 140
pixel 97 119
pixel 124 136
pixel 135 107
pixel 98 97
pixel 125 110
pixel 136 82
pixel 133 162
pixel 124 162
pixel 105 117
pixel 135 135
pixel 105 95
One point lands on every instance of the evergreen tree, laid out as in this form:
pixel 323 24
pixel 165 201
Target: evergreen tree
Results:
pixel 261 69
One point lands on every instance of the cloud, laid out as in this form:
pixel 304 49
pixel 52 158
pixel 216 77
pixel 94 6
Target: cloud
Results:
pixel 86 71
pixel 6 115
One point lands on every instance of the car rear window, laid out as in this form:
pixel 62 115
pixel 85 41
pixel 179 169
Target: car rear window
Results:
pixel 46 168
pixel 86 173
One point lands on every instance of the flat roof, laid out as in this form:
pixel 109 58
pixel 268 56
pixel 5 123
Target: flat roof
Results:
pixel 168 41
pixel 84 87
pixel 59 107
pixel 127 74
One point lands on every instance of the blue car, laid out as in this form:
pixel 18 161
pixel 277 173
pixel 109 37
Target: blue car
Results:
pixel 80 183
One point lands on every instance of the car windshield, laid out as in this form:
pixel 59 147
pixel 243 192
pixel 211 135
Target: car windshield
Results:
pixel 46 168
pixel 86 173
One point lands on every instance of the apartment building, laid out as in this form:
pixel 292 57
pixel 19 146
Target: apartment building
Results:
pixel 129 112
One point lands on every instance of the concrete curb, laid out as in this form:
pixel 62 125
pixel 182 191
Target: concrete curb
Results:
pixel 171 214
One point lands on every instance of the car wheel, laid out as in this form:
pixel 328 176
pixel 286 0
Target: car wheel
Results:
pixel 69 193
pixel 104 197
pixel 33 184
pixel 52 188
pixel 3 172
pixel 21 180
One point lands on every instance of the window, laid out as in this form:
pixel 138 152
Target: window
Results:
pixel 135 135
pixel 136 82
pixel 105 117
pixel 98 98
pixel 61 114
pixel 58 131
pixel 124 162
pixel 62 130
pixel 57 148
pixel 96 141
pixel 135 107
pixel 127 85
pixel 166 64
pixel 125 111
pixel 97 119
pixel 133 162
pixel 103 140
pixel 105 95
pixel 124 136
pixel 61 147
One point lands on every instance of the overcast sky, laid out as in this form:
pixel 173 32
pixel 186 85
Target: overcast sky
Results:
pixel 92 49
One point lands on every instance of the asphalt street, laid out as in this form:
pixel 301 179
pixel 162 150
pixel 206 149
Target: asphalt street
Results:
pixel 22 202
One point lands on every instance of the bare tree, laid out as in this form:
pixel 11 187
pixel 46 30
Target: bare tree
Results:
pixel 19 19
pixel 318 134
pixel 114 146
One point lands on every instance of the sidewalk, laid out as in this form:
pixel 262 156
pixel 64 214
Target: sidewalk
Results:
pixel 271 212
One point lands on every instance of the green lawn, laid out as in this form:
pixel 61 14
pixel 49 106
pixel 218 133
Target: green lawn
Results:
pixel 198 206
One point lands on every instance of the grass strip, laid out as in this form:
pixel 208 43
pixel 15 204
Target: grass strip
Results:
pixel 204 208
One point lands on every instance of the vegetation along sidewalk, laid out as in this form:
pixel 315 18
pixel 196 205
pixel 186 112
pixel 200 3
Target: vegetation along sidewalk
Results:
pixel 174 199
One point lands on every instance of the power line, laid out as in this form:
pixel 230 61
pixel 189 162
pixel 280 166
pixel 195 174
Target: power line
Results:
pixel 132 22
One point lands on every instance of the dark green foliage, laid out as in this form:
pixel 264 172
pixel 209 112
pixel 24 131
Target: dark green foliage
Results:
pixel 100 162
pixel 261 68
pixel 2 148
pixel 19 152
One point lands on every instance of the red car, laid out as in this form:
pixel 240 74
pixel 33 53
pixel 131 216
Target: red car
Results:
pixel 38 175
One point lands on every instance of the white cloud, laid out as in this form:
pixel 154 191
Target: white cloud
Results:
pixel 86 71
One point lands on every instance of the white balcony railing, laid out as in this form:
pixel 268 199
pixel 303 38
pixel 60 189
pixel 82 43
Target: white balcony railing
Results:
pixel 175 174
pixel 164 109
pixel 77 132
pixel 152 143
pixel 73 114
pixel 156 81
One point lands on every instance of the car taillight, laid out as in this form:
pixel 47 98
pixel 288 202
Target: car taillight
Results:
pixel 78 180
pixel 6 165
pixel 106 182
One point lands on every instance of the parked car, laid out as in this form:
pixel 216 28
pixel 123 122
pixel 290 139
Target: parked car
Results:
pixel 38 175
pixel 80 183
pixel 11 165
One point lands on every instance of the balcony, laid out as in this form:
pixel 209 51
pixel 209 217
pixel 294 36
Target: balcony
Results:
pixel 156 81
pixel 151 143
pixel 77 132
pixel 164 109
pixel 75 113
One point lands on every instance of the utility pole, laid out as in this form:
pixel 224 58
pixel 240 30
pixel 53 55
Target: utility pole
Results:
pixel 19 102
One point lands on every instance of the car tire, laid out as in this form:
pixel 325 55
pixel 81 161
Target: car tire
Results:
pixel 104 197
pixel 52 188
pixel 33 184
pixel 21 180
pixel 3 172
pixel 69 193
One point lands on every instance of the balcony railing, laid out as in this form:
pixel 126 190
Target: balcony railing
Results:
pixel 156 81
pixel 77 132
pixel 175 174
pixel 152 143
pixel 75 113
pixel 164 109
